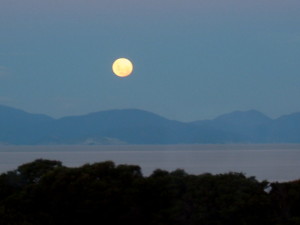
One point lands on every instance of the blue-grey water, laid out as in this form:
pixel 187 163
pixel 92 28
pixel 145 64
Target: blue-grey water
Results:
pixel 280 162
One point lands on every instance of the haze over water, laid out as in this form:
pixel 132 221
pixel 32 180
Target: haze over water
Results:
pixel 273 162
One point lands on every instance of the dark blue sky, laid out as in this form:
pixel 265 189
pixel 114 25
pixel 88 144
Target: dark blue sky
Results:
pixel 193 59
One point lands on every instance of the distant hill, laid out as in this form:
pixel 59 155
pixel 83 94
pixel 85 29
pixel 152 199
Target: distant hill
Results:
pixel 246 126
pixel 20 127
pixel 284 129
pixel 127 126
pixel 132 126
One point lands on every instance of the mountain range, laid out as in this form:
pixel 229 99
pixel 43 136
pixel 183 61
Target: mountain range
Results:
pixel 132 126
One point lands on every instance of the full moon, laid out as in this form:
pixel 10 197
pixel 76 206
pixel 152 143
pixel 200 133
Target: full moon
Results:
pixel 122 67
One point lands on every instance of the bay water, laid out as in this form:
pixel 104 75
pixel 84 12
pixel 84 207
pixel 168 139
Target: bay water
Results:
pixel 273 162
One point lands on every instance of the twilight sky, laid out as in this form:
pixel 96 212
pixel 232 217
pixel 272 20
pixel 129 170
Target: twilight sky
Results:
pixel 194 59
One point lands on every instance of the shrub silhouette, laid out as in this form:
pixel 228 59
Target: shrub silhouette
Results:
pixel 46 192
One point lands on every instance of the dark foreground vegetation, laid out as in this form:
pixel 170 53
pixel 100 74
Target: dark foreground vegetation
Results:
pixel 45 192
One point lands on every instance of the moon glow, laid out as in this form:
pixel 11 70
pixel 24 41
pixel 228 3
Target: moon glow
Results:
pixel 122 67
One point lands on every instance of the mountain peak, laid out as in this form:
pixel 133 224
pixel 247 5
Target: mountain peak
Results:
pixel 134 126
pixel 9 112
pixel 243 115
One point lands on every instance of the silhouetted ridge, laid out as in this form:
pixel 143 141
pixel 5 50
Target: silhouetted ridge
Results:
pixel 251 117
pixel 244 125
pixel 285 128
pixel 133 126
pixel 20 127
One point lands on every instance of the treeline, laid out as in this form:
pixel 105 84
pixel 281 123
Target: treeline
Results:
pixel 45 192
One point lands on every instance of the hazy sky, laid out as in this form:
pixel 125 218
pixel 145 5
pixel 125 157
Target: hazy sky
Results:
pixel 194 59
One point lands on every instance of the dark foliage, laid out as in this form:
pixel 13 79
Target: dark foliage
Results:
pixel 45 192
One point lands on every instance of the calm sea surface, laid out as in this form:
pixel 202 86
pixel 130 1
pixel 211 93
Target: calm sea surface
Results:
pixel 272 162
